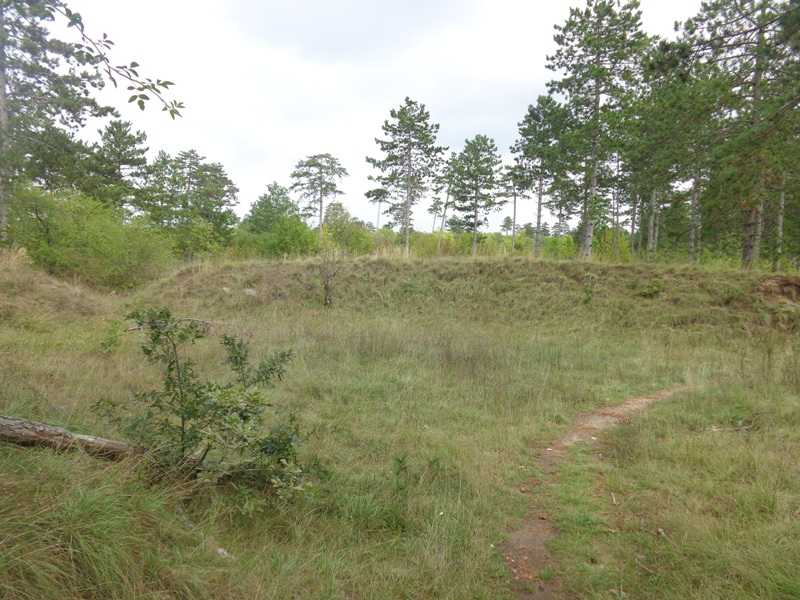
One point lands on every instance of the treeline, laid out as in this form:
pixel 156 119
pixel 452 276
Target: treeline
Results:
pixel 684 149
pixel 688 145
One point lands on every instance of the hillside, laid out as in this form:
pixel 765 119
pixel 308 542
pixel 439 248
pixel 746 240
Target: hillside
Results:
pixel 424 394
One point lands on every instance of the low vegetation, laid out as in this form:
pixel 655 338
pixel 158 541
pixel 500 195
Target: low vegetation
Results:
pixel 422 396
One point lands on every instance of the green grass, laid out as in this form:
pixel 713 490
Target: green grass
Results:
pixel 425 389
pixel 691 504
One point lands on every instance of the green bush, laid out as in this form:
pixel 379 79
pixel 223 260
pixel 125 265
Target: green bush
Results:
pixel 196 238
pixel 558 248
pixel 76 237
pixel 221 431
pixel 287 236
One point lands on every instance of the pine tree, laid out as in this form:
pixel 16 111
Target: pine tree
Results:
pixel 476 183
pixel 115 167
pixel 541 151
pixel 411 159
pixel 599 49
pixel 186 194
pixel 745 42
pixel 316 179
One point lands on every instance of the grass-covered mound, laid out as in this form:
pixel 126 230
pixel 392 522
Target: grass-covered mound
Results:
pixel 424 391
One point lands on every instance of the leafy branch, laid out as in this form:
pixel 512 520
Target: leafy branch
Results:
pixel 96 51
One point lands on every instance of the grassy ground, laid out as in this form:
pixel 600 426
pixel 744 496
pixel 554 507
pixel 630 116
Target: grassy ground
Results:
pixel 697 498
pixel 426 388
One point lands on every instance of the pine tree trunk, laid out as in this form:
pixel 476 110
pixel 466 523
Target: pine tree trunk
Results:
pixel 640 236
pixel 475 232
pixel 540 194
pixel 758 233
pixel 441 228
pixel 407 206
pixel 633 224
pixel 655 235
pixel 651 224
pixel 748 246
pixel 779 226
pixel 615 231
pixel 5 192
pixel 693 224
pixel 752 219
pixel 588 221
pixel 588 235
pixel 320 213
pixel 514 222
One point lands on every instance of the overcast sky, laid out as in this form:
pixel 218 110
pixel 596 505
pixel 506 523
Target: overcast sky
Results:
pixel 267 83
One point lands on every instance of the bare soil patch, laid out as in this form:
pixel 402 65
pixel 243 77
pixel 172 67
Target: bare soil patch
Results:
pixel 785 286
pixel 526 550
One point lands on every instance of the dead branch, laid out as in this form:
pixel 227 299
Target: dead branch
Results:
pixel 730 429
pixel 649 570
pixel 740 426
pixel 32 433
pixel 749 418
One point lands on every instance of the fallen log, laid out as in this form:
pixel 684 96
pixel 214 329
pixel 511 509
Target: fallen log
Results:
pixel 31 433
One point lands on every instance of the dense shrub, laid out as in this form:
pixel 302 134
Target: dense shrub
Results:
pixel 72 236
pixel 287 236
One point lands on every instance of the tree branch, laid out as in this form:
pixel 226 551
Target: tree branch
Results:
pixel 32 433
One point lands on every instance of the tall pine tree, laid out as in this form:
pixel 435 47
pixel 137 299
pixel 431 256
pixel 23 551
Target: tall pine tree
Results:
pixel 411 160
pixel 599 52
pixel 476 184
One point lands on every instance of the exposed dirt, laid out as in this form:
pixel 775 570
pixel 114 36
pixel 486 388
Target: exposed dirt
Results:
pixel 526 550
pixel 785 286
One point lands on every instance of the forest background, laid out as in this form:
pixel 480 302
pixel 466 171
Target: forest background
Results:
pixel 643 149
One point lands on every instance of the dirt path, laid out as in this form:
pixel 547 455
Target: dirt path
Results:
pixel 526 552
